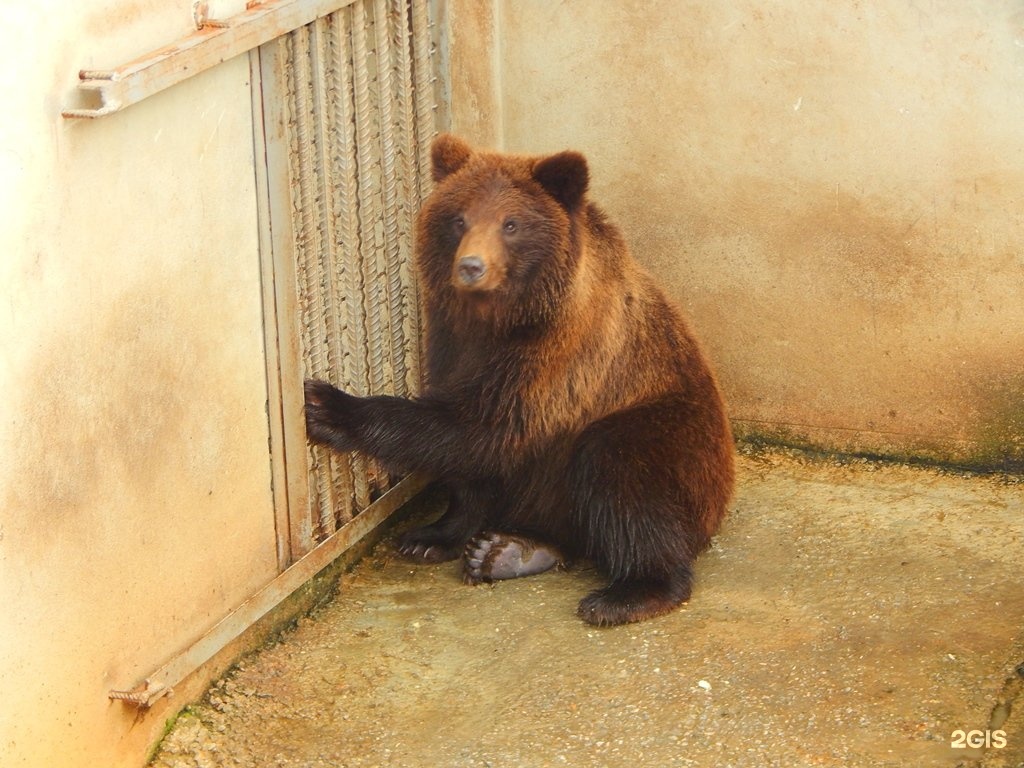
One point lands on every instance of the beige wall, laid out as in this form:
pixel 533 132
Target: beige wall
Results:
pixel 834 191
pixel 135 503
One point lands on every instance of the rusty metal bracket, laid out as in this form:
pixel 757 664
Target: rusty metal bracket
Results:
pixel 104 92
pixel 142 695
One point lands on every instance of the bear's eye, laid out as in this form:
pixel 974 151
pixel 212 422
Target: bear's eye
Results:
pixel 510 226
pixel 459 224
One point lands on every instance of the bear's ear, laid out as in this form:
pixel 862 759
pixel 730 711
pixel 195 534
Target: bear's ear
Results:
pixel 565 177
pixel 447 154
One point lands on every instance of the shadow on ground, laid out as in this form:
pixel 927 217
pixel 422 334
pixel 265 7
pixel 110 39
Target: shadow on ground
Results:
pixel 848 615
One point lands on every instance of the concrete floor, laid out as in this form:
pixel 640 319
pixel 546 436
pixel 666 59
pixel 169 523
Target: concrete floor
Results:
pixel 848 615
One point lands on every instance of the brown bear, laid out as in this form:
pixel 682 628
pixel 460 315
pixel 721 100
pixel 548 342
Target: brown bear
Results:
pixel 568 408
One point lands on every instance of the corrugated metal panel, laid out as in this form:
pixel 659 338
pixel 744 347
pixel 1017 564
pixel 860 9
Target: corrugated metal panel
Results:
pixel 358 92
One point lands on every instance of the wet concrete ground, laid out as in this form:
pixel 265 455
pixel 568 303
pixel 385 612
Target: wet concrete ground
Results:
pixel 848 615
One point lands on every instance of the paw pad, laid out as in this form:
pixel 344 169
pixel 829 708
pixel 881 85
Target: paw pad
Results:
pixel 494 556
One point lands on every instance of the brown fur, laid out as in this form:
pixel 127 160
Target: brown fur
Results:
pixel 566 400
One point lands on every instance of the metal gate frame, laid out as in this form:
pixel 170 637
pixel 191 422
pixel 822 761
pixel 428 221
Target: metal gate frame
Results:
pixel 347 164
pixel 315 202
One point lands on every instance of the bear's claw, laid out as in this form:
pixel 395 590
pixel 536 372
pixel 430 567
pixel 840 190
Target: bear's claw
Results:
pixel 424 546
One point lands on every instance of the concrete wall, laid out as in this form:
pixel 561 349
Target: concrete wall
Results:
pixel 135 504
pixel 834 192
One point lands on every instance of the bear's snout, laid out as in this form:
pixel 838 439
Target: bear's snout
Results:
pixel 479 263
pixel 470 270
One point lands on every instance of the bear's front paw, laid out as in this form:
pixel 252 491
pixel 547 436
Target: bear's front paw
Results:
pixel 422 547
pixel 328 411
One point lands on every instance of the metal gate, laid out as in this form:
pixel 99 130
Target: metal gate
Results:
pixel 349 111
pixel 343 113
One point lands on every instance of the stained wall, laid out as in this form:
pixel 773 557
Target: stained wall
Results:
pixel 135 506
pixel 833 191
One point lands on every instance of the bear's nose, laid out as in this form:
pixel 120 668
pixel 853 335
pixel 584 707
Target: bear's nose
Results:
pixel 470 269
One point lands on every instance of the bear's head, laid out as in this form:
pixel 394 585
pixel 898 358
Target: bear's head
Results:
pixel 499 237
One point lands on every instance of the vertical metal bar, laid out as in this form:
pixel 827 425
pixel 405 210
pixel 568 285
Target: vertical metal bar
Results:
pixel 332 470
pixel 409 189
pixel 370 218
pixel 423 79
pixel 268 123
pixel 279 259
pixel 423 86
pixel 389 184
pixel 324 192
pixel 369 215
pixel 308 245
pixel 347 274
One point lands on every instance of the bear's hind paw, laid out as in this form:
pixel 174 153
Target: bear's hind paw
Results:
pixel 495 556
pixel 623 602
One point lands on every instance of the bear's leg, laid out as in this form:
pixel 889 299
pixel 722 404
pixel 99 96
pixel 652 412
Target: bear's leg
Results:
pixel 424 434
pixel 493 556
pixel 445 538
pixel 645 482
pixel 635 599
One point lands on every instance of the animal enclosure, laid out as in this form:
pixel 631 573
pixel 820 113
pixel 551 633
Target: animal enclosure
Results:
pixel 831 192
